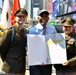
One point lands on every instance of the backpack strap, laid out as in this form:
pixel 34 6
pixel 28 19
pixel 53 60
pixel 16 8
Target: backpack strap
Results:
pixel 12 34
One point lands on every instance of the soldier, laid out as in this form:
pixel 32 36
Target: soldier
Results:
pixel 14 52
pixel 69 66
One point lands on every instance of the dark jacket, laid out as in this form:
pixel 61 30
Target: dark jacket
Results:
pixel 13 52
pixel 71 55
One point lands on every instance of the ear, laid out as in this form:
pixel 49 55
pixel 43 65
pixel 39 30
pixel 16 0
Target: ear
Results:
pixel 16 18
pixel 39 18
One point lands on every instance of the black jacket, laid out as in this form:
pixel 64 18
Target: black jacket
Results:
pixel 13 52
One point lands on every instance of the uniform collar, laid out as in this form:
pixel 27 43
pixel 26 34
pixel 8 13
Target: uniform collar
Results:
pixel 39 26
pixel 69 36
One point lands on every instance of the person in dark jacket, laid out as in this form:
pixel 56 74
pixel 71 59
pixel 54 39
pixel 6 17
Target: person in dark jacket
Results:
pixel 69 66
pixel 14 52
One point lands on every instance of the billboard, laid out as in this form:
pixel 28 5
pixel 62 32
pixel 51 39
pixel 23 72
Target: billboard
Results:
pixel 74 9
pixel 49 6
pixel 55 8
pixel 66 6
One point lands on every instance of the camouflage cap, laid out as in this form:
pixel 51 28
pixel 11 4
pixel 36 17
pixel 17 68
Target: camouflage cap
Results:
pixel 68 20
pixel 21 10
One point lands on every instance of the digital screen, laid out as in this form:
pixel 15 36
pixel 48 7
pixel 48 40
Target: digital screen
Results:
pixel 61 7
pixel 65 6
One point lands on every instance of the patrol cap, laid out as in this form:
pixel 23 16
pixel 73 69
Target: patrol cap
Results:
pixel 68 20
pixel 43 11
pixel 21 10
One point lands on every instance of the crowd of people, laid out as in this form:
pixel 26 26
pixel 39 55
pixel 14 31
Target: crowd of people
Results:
pixel 13 53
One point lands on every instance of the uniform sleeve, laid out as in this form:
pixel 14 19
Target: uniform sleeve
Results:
pixel 73 60
pixel 7 40
pixel 5 45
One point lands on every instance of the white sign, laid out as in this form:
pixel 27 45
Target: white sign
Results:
pixel 57 48
pixel 39 51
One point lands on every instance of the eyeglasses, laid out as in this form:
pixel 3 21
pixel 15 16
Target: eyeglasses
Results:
pixel 21 16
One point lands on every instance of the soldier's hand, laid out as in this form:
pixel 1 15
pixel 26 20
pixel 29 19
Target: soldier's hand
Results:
pixel 65 63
